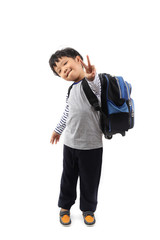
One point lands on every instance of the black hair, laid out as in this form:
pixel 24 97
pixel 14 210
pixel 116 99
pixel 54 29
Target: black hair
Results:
pixel 66 52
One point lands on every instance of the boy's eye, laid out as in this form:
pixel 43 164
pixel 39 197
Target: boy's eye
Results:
pixel 60 70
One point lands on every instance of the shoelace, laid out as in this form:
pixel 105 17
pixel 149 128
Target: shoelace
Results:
pixel 85 214
pixel 62 213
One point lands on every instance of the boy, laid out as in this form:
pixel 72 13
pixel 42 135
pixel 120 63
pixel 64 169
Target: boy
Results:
pixel 82 155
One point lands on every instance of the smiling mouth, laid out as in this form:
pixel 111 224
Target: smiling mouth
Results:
pixel 68 73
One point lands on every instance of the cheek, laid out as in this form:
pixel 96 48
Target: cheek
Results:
pixel 71 66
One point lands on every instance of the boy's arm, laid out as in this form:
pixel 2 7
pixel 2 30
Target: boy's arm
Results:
pixel 61 125
pixel 95 85
pixel 92 78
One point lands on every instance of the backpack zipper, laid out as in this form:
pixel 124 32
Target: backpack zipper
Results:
pixel 127 91
pixel 130 106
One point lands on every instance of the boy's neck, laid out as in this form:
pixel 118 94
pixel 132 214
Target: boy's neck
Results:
pixel 82 76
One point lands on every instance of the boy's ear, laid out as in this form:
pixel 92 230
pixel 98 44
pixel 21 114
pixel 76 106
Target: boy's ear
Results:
pixel 77 58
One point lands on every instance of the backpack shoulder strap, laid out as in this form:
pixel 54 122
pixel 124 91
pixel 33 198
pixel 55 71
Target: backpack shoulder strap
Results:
pixel 69 89
pixel 104 92
pixel 93 100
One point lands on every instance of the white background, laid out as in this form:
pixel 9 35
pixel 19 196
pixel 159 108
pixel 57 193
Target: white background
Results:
pixel 121 38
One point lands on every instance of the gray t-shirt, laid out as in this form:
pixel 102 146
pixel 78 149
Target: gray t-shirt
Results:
pixel 82 122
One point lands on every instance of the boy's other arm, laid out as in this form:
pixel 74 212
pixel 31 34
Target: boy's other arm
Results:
pixel 95 85
pixel 92 77
pixel 61 125
pixel 55 137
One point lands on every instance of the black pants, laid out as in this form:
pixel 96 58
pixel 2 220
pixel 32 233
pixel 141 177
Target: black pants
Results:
pixel 87 165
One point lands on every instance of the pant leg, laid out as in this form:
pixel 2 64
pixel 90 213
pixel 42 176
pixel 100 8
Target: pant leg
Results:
pixel 90 162
pixel 69 178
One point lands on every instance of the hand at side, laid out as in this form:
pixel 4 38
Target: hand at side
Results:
pixel 55 137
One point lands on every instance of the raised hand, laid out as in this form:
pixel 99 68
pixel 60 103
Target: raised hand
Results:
pixel 90 70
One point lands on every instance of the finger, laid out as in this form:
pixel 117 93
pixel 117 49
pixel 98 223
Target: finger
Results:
pixel 56 140
pixel 90 76
pixel 52 140
pixel 84 65
pixel 94 71
pixel 89 63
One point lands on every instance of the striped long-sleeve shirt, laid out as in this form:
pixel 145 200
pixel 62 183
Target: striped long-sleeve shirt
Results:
pixel 95 85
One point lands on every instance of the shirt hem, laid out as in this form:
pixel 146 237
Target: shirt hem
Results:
pixel 83 148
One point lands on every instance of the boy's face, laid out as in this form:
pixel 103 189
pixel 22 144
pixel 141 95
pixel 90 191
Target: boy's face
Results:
pixel 70 69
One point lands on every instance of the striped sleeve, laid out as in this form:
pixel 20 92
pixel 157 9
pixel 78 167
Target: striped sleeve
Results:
pixel 62 124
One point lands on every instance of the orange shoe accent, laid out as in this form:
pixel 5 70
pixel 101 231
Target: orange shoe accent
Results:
pixel 89 218
pixel 65 219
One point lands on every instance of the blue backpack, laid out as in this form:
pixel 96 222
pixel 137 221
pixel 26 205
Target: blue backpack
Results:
pixel 117 107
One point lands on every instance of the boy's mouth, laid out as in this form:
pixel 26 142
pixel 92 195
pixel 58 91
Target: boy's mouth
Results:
pixel 68 72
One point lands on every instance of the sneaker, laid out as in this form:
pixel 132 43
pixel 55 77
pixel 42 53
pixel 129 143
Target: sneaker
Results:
pixel 89 218
pixel 65 217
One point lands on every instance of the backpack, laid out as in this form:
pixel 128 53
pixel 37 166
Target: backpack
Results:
pixel 117 107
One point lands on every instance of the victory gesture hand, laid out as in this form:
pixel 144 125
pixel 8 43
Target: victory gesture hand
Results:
pixel 90 70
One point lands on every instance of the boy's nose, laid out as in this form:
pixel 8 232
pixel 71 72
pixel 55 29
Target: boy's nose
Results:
pixel 65 70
